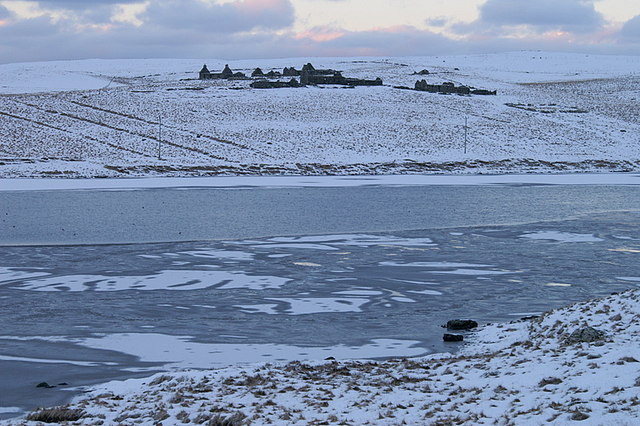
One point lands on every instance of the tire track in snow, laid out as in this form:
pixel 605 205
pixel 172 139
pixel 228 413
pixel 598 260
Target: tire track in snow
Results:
pixel 91 138
pixel 127 131
pixel 155 123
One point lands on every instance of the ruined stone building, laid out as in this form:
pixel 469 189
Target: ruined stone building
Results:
pixel 449 88
pixel 226 74
pixel 266 84
pixel 291 72
pixel 310 75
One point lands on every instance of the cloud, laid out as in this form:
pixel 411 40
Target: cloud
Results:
pixel 392 41
pixel 631 29
pixel 243 15
pixel 440 21
pixel 263 29
pixel 4 13
pixel 170 28
pixel 202 15
pixel 78 4
pixel 542 15
pixel 83 12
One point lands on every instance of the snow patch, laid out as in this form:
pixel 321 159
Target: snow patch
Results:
pixel 561 237
pixel 183 352
pixel 163 280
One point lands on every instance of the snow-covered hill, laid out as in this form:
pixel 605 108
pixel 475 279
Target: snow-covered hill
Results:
pixel 527 372
pixel 553 112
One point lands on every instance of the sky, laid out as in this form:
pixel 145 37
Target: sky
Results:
pixel 40 30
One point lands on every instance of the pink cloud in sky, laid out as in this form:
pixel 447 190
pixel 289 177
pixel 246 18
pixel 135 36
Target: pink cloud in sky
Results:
pixel 396 29
pixel 325 34
pixel 558 35
pixel 320 34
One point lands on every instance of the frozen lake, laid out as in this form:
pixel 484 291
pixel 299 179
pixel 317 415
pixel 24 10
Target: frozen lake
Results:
pixel 111 211
pixel 100 284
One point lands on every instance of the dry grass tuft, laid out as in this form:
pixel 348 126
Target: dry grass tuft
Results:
pixel 55 415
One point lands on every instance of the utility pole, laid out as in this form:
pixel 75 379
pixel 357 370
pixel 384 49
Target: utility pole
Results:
pixel 159 137
pixel 465 134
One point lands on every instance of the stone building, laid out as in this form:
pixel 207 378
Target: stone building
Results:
pixel 226 74
pixel 291 72
pixel 310 75
pixel 449 88
pixel 266 84
pixel 204 72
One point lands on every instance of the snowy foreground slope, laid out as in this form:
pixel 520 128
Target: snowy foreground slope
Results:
pixel 553 112
pixel 526 372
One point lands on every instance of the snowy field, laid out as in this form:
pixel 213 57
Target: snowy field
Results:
pixel 553 112
pixel 526 372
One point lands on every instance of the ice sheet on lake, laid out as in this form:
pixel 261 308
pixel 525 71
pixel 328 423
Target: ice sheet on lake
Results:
pixel 13 274
pixel 436 264
pixel 359 292
pixel 163 280
pixel 403 299
pixel 295 246
pixel 54 339
pixel 311 305
pixel 477 272
pixel 182 352
pixel 55 361
pixel 310 264
pixel 561 237
pixel 302 306
pixel 448 268
pixel 326 242
pixel 626 250
pixel 414 282
pixel 427 292
pixel 264 308
pixel 220 254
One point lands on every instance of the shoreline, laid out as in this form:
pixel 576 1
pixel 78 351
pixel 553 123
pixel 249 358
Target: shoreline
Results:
pixel 66 168
pixel 313 181
pixel 527 371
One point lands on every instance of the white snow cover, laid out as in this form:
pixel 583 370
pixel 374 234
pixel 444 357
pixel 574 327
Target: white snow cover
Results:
pixel 525 372
pixel 554 112
pixel 120 184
